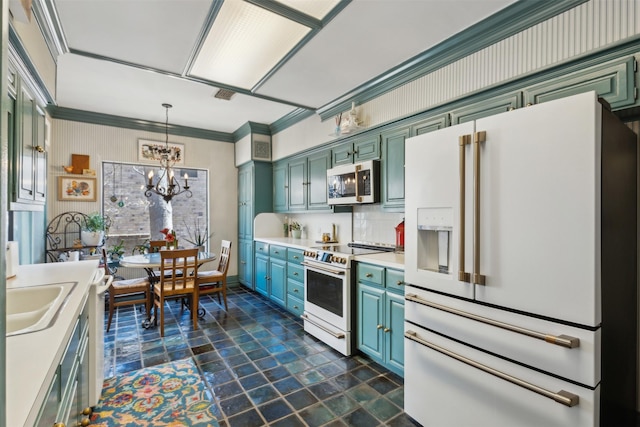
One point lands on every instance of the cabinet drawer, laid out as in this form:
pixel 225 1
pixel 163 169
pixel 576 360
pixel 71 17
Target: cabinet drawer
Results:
pixel 295 255
pixel 295 288
pixel 279 252
pixel 370 273
pixel 262 248
pixel 394 280
pixel 295 305
pixel 295 272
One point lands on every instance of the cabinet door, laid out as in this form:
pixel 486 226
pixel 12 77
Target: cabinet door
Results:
pixel 278 274
pixel 393 167
pixel 262 275
pixel 49 410
pixel 371 321
pixel 298 184
pixel 25 146
pixel 245 264
pixel 489 107
pixel 394 331
pixel 342 155
pixel 39 158
pixel 430 124
pixel 245 192
pixel 366 148
pixel 280 186
pixel 317 182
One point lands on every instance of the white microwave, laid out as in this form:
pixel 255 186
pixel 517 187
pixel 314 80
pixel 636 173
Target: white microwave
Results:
pixel 354 184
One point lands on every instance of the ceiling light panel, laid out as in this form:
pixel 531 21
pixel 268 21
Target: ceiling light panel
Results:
pixel 244 43
pixel 316 8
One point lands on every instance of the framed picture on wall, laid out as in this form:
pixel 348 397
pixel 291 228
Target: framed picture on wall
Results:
pixel 77 188
pixel 152 151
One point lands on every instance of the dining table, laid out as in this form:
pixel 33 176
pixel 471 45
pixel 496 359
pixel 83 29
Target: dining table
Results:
pixel 150 263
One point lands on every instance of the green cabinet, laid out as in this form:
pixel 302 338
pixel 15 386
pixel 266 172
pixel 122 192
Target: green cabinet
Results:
pixel 262 269
pixel 300 183
pixel 392 167
pixel 362 148
pixel 67 398
pixel 254 197
pixel 487 107
pixel 28 166
pixel 380 315
pixel 295 281
pixel 278 274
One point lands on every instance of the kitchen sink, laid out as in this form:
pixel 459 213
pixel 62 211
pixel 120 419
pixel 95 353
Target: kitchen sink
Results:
pixel 34 308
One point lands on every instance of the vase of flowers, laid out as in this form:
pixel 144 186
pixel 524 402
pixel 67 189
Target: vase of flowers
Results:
pixel 170 238
pixel 296 230
pixel 198 236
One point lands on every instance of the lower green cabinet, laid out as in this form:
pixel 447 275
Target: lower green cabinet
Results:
pixel 380 311
pixel 278 279
pixel 262 275
pixel 295 281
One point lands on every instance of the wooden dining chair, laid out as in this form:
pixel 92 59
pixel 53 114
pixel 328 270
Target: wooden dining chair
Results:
pixel 155 245
pixel 178 272
pixel 211 282
pixel 127 292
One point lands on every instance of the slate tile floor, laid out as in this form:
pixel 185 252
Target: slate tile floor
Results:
pixel 260 367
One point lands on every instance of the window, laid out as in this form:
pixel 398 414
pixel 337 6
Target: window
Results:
pixel 123 200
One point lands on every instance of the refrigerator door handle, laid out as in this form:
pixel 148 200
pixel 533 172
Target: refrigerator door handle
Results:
pixel 564 397
pixel 463 276
pixel 561 340
pixel 478 279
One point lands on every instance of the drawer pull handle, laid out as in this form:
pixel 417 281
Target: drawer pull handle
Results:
pixel 386 329
pixel 296 257
pixel 368 275
pixel 379 327
pixel 563 397
pixel 399 283
pixel 561 340
pixel 338 335
pixel 295 274
pixel 295 307
pixel 295 290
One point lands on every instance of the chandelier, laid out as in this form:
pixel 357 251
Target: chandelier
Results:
pixel 166 186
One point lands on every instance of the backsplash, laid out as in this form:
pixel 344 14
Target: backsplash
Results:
pixel 373 225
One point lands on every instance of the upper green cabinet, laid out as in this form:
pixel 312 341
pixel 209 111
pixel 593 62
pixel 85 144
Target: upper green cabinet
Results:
pixel 393 167
pixel 613 81
pixel 300 184
pixel 487 107
pixel 361 148
pixel 28 153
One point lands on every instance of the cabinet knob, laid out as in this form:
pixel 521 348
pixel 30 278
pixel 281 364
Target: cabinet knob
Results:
pixel 295 274
pixel 368 275
pixel 39 148
pixel 276 252
pixel 296 257
pixel 295 290
pixel 87 411
pixel 85 422
pixel 387 329
pixel 243 262
pixel 399 283
pixel 379 327
pixel 59 425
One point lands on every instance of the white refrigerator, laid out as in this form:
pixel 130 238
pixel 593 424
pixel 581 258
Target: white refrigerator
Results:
pixel 520 258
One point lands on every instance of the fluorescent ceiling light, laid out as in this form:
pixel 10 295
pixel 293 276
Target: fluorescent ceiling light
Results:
pixel 317 8
pixel 245 42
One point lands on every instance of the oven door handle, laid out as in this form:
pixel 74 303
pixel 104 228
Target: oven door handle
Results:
pixel 325 269
pixel 340 335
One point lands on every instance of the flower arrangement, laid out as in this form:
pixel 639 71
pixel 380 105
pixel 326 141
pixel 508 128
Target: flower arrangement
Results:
pixel 295 226
pixel 198 236
pixel 169 237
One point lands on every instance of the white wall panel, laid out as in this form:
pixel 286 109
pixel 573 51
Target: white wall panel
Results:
pixel 106 143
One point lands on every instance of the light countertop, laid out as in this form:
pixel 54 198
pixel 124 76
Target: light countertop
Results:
pixel 289 241
pixel 32 358
pixel 384 259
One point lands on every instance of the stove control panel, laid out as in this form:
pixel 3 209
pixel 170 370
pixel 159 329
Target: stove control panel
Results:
pixel 326 257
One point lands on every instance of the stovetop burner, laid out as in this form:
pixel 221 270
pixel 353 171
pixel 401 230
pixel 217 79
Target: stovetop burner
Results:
pixel 354 249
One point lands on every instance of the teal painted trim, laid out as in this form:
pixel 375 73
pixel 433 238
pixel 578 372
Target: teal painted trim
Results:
pixel 503 24
pixel 337 9
pixel 211 17
pixel 290 119
pixel 63 113
pixel 288 12
pixel 47 17
pixel 216 85
pixel 34 76
pixel 251 128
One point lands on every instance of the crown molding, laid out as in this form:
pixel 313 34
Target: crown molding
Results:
pixel 290 119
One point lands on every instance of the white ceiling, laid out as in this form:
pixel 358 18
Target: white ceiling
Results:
pixel 130 56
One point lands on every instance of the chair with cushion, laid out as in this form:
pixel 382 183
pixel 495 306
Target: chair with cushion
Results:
pixel 127 292
pixel 211 282
pixel 178 272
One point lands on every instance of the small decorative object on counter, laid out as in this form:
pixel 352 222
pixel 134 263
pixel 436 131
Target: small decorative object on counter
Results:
pixel 400 236
pixel 285 227
pixel 296 230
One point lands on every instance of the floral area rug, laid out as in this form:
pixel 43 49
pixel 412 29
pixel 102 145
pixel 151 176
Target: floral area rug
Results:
pixel 172 394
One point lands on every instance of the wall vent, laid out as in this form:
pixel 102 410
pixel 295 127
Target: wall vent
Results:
pixel 225 94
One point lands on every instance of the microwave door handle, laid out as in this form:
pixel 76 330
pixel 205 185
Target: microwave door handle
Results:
pixel 358 169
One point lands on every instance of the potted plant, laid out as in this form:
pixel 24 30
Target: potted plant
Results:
pixel 198 236
pixel 296 230
pixel 93 230
pixel 116 251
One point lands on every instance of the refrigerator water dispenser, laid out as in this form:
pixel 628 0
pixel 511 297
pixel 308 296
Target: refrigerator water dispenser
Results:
pixel 434 234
